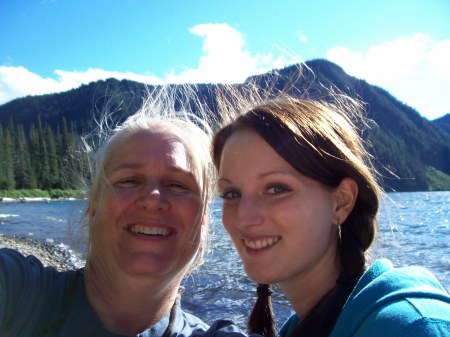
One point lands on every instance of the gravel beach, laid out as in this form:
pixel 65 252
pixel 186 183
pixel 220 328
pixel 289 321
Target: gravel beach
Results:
pixel 48 254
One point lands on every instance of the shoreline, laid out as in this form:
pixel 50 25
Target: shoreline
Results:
pixel 33 199
pixel 57 256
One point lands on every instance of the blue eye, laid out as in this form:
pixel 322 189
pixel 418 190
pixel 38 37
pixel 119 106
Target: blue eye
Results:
pixel 229 195
pixel 277 189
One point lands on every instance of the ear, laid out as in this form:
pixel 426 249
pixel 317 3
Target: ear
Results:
pixel 92 210
pixel 204 226
pixel 345 199
pixel 203 236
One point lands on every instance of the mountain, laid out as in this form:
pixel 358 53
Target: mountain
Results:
pixel 77 105
pixel 443 122
pixel 410 152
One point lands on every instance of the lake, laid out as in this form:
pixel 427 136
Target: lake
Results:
pixel 414 229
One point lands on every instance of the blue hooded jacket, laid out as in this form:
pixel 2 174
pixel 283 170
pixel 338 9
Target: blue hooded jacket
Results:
pixel 390 302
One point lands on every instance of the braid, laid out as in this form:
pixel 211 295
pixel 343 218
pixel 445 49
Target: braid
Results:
pixel 261 320
pixel 355 239
pixel 320 320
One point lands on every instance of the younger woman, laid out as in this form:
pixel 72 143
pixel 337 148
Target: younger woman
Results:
pixel 300 203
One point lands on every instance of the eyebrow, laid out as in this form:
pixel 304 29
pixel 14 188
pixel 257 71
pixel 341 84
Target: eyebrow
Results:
pixel 277 172
pixel 260 176
pixel 224 180
pixel 133 166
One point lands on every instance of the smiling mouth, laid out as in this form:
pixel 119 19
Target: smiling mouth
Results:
pixel 154 231
pixel 260 244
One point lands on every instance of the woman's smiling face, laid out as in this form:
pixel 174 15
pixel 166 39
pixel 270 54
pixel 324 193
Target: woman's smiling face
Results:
pixel 280 221
pixel 146 220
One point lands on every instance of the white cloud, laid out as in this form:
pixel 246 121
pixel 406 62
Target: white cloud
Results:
pixel 415 69
pixel 18 81
pixel 225 59
pixel 302 37
pixel 439 59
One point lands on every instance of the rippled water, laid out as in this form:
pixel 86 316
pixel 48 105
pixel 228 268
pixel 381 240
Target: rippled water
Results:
pixel 414 229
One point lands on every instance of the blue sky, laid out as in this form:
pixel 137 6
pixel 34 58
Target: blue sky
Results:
pixel 55 45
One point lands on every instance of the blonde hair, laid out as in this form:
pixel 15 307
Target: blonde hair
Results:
pixel 177 111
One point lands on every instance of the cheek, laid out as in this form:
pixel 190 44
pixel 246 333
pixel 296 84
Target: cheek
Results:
pixel 115 201
pixel 230 224
pixel 108 208
pixel 296 215
pixel 227 217
pixel 312 226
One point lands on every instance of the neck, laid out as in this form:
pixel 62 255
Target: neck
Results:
pixel 128 305
pixel 308 288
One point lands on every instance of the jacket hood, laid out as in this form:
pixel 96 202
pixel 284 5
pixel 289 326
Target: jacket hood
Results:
pixel 383 284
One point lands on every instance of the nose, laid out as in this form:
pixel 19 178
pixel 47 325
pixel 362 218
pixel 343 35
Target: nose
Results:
pixel 153 199
pixel 250 212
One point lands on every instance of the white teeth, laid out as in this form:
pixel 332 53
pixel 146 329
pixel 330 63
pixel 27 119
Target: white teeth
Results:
pixel 150 230
pixel 259 244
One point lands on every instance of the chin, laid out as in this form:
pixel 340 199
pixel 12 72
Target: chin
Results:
pixel 259 276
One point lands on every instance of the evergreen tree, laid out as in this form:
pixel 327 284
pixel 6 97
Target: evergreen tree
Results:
pixel 33 146
pixel 75 163
pixel 24 176
pixel 64 155
pixel 53 180
pixel 8 165
pixel 65 139
pixel 2 161
pixel 42 168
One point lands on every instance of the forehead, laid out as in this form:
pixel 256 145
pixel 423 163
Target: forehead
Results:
pixel 244 145
pixel 246 152
pixel 246 141
pixel 143 147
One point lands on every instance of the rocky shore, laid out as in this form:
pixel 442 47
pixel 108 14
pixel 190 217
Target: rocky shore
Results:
pixel 50 255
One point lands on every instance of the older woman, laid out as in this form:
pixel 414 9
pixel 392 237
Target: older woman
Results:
pixel 147 218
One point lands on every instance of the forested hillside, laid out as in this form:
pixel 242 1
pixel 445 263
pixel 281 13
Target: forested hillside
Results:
pixel 38 134
pixel 410 152
pixel 443 123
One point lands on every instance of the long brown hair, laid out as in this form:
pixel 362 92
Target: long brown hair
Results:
pixel 319 140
